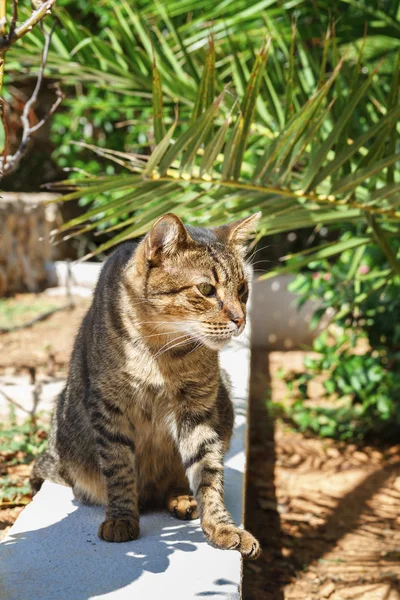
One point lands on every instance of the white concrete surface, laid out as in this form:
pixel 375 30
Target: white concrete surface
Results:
pixel 53 553
pixel 83 274
pixel 23 399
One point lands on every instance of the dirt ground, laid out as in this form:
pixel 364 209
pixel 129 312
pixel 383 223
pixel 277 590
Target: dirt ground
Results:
pixel 46 345
pixel 327 514
pixel 43 349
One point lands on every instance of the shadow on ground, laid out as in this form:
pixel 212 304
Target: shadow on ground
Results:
pixel 265 577
pixel 62 558
pixel 331 521
pixel 79 573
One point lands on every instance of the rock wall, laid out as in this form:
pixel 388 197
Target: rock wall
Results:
pixel 25 225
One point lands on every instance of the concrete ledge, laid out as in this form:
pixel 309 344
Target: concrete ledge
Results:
pixel 83 274
pixel 53 553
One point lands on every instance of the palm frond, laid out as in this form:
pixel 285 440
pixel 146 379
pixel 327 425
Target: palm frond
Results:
pixel 294 182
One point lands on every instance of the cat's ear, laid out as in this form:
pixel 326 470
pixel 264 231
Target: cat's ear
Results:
pixel 166 236
pixel 238 232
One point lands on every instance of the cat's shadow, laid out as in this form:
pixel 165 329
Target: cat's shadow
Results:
pixel 66 560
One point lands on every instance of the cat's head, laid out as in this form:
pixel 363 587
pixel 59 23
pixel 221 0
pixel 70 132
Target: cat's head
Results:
pixel 192 284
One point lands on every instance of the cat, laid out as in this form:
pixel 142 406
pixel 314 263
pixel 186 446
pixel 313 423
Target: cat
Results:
pixel 145 417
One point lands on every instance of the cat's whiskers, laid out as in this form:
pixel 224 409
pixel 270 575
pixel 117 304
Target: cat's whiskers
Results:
pixel 157 324
pixel 183 322
pixel 197 346
pixel 145 337
pixel 265 260
pixel 180 337
pixel 189 337
pixel 250 258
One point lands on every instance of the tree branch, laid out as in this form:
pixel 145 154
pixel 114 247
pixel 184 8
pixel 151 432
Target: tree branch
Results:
pixel 11 163
pixel 18 32
pixel 3 35
pixel 14 19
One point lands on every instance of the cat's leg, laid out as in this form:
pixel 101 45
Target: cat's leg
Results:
pixel 202 450
pixel 116 448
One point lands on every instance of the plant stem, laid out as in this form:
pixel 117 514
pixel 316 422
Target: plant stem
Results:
pixel 310 196
pixel 36 17
pixel 381 240
pixel 3 28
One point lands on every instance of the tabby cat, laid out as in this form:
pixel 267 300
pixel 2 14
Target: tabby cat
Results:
pixel 145 417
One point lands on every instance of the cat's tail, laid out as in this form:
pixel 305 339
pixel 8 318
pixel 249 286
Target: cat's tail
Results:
pixel 45 467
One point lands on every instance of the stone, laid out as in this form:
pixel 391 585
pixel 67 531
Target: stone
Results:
pixel 25 249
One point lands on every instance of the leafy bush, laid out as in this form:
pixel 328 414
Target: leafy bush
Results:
pixel 359 355
pixel 20 444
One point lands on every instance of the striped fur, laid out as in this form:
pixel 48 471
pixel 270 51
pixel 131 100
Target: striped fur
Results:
pixel 145 417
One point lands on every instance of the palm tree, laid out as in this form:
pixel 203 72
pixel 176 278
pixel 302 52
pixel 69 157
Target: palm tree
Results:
pixel 279 110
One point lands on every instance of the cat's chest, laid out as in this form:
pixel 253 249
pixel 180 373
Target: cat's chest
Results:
pixel 167 377
pixel 158 390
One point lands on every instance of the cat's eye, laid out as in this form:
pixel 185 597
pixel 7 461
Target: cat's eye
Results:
pixel 242 289
pixel 206 289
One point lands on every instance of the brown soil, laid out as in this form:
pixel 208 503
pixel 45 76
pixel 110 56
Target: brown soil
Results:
pixel 326 513
pixel 7 518
pixel 46 345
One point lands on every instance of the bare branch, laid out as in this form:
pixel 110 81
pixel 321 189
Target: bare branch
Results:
pixel 10 163
pixel 5 128
pixel 14 19
pixel 3 35
pixel 36 17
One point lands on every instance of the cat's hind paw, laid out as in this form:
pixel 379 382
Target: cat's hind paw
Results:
pixel 183 507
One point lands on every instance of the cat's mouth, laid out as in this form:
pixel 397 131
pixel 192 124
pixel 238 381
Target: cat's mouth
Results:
pixel 219 339
pixel 217 342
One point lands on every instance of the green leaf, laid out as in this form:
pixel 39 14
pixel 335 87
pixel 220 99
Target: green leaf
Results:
pixel 316 164
pixel 354 179
pixel 231 148
pixel 206 93
pixel 193 130
pixel 248 106
pixel 345 155
pixel 214 147
pixel 323 252
pixel 158 118
pixel 160 149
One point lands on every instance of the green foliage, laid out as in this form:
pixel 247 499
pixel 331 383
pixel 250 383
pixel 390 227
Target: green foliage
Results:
pixel 19 444
pixel 359 359
pixel 13 490
pixel 17 312
pixel 306 131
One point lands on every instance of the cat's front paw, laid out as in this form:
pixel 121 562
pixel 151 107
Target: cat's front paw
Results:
pixel 230 537
pixel 119 530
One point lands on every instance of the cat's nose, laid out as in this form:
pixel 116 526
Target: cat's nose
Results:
pixel 237 320
pixel 235 314
pixel 236 317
